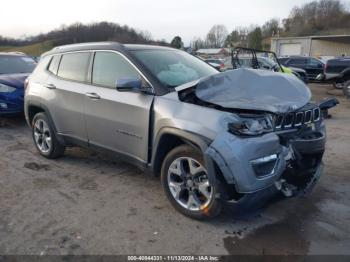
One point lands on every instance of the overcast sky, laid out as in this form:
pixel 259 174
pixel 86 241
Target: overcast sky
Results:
pixel 162 18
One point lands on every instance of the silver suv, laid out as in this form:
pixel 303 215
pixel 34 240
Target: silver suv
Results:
pixel 212 137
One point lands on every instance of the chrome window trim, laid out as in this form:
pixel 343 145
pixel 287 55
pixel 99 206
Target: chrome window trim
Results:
pixel 103 50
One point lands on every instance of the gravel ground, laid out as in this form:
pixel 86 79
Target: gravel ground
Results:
pixel 88 203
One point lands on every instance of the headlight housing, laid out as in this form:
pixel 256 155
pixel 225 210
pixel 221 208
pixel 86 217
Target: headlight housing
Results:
pixel 251 125
pixel 6 88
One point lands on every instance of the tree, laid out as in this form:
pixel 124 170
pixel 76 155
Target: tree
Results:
pixel 197 43
pixel 318 17
pixel 177 42
pixel 270 28
pixel 233 38
pixel 255 39
pixel 216 36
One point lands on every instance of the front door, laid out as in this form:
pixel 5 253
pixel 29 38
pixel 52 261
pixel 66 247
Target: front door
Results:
pixel 117 121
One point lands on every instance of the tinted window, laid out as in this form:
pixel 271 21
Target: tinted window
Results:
pixel 13 64
pixel 109 67
pixel 314 62
pixel 174 67
pixel 74 66
pixel 298 61
pixel 55 61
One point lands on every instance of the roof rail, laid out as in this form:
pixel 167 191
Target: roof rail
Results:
pixel 85 45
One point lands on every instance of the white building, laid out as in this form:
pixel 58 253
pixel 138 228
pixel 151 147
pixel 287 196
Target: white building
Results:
pixel 316 46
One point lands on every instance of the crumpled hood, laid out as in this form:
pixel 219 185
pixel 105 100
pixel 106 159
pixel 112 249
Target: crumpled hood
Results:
pixel 253 89
pixel 14 80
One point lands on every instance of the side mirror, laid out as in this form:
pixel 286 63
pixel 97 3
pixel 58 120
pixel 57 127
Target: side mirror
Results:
pixel 128 84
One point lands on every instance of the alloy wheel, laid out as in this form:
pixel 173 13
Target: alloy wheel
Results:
pixel 189 184
pixel 42 136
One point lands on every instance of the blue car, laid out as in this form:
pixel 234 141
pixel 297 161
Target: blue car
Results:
pixel 14 69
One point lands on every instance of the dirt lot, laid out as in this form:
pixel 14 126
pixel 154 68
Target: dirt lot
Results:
pixel 87 203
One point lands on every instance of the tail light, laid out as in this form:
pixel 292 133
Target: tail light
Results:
pixel 222 66
pixel 325 68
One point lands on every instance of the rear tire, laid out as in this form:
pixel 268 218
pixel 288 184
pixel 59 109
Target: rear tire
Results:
pixel 186 184
pixel 44 137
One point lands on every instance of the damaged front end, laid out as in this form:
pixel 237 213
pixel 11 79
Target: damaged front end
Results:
pixel 289 157
pixel 274 136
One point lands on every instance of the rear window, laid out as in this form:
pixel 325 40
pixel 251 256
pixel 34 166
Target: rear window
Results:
pixel 74 66
pixel 14 64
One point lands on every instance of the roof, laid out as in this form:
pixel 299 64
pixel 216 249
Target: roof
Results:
pixel 314 37
pixel 102 46
pixel 211 50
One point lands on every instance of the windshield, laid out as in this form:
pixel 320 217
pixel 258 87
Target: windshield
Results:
pixel 11 64
pixel 173 67
pixel 267 62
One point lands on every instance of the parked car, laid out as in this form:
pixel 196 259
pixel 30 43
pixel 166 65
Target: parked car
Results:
pixel 14 69
pixel 211 137
pixel 337 69
pixel 219 64
pixel 337 72
pixel 311 65
pixel 269 64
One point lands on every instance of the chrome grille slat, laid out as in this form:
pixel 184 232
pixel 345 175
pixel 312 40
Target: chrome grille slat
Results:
pixel 308 117
pixel 297 119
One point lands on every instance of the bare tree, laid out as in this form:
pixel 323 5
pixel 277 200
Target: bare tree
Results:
pixel 197 43
pixel 271 28
pixel 216 36
pixel 318 17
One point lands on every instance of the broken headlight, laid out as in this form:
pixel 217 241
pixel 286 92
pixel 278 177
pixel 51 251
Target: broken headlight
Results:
pixel 251 125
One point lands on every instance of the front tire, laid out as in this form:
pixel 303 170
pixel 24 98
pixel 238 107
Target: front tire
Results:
pixel 186 184
pixel 45 138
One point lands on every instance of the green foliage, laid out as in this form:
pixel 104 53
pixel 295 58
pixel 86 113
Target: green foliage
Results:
pixel 177 42
pixel 232 39
pixel 33 50
pixel 255 39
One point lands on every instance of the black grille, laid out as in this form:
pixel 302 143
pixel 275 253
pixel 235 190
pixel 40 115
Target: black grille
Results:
pixel 297 119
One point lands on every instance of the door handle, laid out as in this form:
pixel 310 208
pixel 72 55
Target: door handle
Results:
pixel 50 86
pixel 93 95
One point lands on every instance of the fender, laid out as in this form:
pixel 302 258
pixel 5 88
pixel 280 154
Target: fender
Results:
pixel 188 137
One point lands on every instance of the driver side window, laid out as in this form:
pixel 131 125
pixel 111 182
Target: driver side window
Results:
pixel 109 67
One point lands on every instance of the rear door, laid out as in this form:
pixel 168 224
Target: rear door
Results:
pixel 118 121
pixel 314 67
pixel 65 93
pixel 297 62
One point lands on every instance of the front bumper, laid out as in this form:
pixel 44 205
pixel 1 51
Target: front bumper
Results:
pixel 256 163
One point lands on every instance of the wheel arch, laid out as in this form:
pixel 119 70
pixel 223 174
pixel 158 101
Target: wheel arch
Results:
pixel 169 138
pixel 33 109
